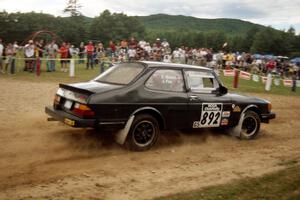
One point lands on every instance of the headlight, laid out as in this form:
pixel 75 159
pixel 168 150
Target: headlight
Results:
pixel 269 107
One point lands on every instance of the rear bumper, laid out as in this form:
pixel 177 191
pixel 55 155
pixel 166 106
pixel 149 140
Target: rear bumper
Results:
pixel 266 117
pixel 69 119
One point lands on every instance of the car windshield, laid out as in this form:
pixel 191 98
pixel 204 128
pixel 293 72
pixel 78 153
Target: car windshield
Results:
pixel 121 74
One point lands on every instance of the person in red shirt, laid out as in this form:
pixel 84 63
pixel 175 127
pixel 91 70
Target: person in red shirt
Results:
pixel 271 64
pixel 112 47
pixel 89 49
pixel 63 56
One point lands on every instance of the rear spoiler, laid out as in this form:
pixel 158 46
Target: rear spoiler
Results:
pixel 75 89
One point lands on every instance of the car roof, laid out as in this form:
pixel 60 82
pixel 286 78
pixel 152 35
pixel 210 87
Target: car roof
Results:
pixel 173 65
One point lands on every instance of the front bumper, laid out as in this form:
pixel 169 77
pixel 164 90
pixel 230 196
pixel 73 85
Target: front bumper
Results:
pixel 266 117
pixel 69 119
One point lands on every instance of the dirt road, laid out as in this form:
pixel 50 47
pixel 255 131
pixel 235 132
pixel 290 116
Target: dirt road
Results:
pixel 48 160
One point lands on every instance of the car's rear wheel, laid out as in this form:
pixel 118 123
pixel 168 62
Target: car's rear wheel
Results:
pixel 143 133
pixel 250 125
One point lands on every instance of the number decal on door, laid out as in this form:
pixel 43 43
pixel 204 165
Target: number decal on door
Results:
pixel 210 115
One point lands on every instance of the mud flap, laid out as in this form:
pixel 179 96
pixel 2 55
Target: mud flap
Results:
pixel 236 131
pixel 121 135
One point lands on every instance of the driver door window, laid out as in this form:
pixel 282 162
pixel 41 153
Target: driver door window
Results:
pixel 201 81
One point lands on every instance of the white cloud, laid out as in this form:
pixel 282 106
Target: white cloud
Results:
pixel 277 13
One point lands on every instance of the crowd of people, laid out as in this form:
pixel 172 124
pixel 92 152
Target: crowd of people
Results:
pixel 96 53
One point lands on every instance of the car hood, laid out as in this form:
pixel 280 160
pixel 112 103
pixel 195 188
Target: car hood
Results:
pixel 244 98
pixel 92 87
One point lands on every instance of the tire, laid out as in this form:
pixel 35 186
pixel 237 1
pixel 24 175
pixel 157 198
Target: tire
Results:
pixel 143 133
pixel 250 125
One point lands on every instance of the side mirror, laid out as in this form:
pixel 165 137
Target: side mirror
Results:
pixel 222 90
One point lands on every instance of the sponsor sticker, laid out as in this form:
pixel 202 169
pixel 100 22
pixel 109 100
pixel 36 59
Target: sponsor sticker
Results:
pixel 224 122
pixel 226 114
pixel 237 109
pixel 210 115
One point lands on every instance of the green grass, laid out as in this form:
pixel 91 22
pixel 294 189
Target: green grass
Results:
pixel 81 74
pixel 249 86
pixel 281 185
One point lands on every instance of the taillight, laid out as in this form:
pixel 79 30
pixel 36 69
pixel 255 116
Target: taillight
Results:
pixel 83 110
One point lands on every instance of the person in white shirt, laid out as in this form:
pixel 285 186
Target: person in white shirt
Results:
pixel 176 55
pixel 131 54
pixel 167 58
pixel 1 56
pixel 142 43
pixel 165 43
pixel 182 56
pixel 29 55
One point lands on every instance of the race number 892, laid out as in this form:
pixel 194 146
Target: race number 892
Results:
pixel 210 115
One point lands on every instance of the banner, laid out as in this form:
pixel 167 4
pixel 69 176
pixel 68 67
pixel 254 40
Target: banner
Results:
pixel 298 83
pixel 245 75
pixel 287 82
pixel 228 72
pixel 277 81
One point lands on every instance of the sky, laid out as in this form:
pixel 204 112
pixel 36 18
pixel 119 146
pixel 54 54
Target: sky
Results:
pixel 280 14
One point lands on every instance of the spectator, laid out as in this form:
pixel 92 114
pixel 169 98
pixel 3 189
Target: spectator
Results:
pixel 132 43
pixel 131 54
pixel 1 56
pixel 64 51
pixel 142 43
pixel 182 55
pixel 124 45
pixel 9 52
pixel 176 55
pixel 81 53
pixel 100 53
pixel 271 64
pixel 29 56
pixel 165 43
pixel 158 43
pixel 13 61
pixel 89 49
pixel 113 48
pixel 167 58
pixel 52 50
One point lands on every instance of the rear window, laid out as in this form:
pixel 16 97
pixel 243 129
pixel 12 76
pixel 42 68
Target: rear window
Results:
pixel 121 74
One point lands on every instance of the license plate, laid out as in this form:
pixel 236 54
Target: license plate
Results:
pixel 69 122
pixel 68 104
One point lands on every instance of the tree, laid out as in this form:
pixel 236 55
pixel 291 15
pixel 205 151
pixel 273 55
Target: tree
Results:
pixel 73 8
pixel 271 41
pixel 116 26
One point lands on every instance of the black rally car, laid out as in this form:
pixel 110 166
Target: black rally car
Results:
pixel 139 99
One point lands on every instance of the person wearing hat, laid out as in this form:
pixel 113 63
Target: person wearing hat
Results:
pixel 158 43
pixel 29 56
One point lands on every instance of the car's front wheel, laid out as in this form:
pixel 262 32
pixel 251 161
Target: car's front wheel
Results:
pixel 250 125
pixel 143 133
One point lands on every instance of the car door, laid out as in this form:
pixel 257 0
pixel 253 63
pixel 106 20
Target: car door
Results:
pixel 206 108
pixel 167 92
